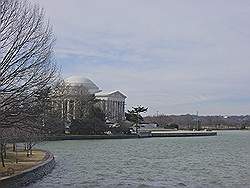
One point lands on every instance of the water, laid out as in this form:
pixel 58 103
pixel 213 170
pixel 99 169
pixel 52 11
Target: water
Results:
pixel 220 161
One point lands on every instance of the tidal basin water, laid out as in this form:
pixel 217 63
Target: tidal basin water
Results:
pixel 197 162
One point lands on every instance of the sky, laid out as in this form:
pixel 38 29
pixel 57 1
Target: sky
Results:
pixel 172 56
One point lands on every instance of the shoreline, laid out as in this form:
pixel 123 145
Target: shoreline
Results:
pixel 136 136
pixel 32 174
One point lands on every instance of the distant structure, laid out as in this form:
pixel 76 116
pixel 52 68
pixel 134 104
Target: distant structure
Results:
pixel 81 85
pixel 112 104
pixel 74 86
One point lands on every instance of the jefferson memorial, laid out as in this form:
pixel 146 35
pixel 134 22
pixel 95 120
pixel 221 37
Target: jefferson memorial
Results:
pixel 111 103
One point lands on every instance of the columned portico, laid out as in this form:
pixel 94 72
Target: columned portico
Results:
pixel 113 105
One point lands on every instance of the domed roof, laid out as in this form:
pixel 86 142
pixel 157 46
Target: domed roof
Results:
pixel 82 81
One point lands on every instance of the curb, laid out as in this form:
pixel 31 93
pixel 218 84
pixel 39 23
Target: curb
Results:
pixel 30 175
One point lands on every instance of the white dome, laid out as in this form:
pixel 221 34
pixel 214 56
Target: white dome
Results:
pixel 82 81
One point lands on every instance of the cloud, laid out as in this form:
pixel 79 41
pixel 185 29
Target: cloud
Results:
pixel 173 56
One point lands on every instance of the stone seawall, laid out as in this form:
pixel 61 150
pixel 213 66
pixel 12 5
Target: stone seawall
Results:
pixel 88 137
pixel 183 134
pixel 140 135
pixel 30 175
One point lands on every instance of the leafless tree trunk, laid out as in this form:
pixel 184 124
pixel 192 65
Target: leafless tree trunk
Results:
pixel 14 147
pixel 2 154
pixel 26 64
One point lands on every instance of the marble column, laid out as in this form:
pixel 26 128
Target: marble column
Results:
pixel 115 110
pixel 74 109
pixel 123 109
pixel 62 108
pixel 68 109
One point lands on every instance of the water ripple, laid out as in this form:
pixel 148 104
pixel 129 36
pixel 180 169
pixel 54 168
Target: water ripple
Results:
pixel 209 162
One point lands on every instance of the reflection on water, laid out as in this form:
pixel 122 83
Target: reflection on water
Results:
pixel 220 161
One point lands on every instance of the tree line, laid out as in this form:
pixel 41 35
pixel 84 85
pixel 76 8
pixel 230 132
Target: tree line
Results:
pixel 189 121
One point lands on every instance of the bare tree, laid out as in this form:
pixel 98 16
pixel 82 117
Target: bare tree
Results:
pixel 26 64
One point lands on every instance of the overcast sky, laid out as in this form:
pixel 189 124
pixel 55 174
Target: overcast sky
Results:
pixel 173 56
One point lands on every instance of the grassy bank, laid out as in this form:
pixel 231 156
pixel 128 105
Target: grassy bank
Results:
pixel 23 162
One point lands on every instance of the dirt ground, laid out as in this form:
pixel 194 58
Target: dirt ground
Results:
pixel 24 162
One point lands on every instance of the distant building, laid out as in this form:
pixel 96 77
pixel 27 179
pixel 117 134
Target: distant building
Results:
pixel 113 105
pixel 148 126
pixel 81 85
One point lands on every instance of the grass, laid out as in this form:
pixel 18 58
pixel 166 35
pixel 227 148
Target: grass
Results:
pixel 24 162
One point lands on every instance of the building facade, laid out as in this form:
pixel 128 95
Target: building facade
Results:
pixel 113 105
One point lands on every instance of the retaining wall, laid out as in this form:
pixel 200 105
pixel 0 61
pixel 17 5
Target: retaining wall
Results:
pixel 30 175
pixel 87 137
pixel 183 134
